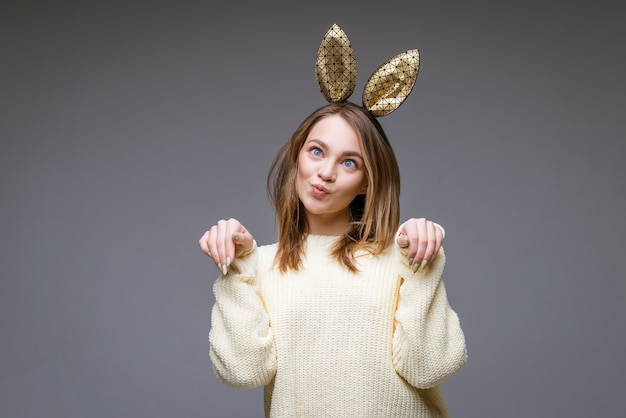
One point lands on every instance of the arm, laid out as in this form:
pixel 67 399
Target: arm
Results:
pixel 241 341
pixel 428 343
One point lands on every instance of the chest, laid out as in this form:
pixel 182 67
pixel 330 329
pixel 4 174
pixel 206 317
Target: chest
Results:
pixel 323 294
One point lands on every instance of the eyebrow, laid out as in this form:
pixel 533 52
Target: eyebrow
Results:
pixel 324 146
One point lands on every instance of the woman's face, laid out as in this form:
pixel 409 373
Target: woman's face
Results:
pixel 331 173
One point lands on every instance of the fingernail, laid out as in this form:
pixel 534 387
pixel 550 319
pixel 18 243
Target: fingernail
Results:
pixel 224 269
pixel 411 261
pixel 236 236
pixel 423 265
pixel 209 254
pixel 405 240
pixel 415 266
pixel 227 262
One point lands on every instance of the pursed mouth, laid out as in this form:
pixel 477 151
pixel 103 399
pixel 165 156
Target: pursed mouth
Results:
pixel 319 189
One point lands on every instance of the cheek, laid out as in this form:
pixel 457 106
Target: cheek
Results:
pixel 299 173
pixel 300 176
pixel 361 184
pixel 353 188
pixel 302 168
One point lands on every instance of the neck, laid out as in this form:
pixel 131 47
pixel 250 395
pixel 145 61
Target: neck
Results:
pixel 336 224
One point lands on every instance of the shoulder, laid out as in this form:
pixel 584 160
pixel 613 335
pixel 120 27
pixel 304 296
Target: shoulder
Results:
pixel 266 253
pixel 394 257
pixel 268 248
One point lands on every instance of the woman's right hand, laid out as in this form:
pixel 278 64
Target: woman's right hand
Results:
pixel 224 241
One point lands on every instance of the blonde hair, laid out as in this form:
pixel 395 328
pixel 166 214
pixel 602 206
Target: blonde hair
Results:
pixel 375 215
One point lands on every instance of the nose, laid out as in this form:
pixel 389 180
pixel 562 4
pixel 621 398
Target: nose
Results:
pixel 326 172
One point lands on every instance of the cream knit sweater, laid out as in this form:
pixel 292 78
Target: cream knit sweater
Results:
pixel 326 342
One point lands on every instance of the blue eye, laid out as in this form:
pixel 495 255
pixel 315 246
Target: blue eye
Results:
pixel 316 152
pixel 349 163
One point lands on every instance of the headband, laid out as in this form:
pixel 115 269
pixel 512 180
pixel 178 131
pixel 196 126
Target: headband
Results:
pixel 386 89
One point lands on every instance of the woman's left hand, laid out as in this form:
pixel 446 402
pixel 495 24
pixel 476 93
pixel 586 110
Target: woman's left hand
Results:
pixel 422 239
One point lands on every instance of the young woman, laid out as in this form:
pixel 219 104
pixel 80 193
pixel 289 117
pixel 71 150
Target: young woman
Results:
pixel 346 315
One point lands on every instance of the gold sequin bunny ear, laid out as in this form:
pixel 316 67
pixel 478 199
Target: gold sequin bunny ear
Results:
pixel 391 83
pixel 335 67
pixel 387 88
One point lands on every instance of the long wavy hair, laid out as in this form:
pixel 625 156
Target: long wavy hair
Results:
pixel 375 215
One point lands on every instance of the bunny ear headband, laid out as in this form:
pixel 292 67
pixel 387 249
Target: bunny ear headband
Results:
pixel 387 88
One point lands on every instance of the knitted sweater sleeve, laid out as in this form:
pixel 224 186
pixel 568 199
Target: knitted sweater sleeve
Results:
pixel 428 343
pixel 241 341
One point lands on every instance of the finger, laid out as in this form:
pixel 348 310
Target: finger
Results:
pixel 406 239
pixel 412 236
pixel 222 240
pixel 243 241
pixel 232 226
pixel 403 240
pixel 213 247
pixel 438 241
pixel 229 229
pixel 422 243
pixel 431 238
pixel 203 243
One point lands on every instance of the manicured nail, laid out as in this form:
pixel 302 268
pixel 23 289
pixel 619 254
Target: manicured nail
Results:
pixel 227 262
pixel 405 240
pixel 415 266
pixel 236 236
pixel 423 265
pixel 209 254
pixel 411 261
pixel 224 269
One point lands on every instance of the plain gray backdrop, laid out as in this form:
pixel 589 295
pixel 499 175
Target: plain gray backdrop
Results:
pixel 128 128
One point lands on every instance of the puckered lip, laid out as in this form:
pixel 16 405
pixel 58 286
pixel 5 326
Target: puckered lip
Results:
pixel 320 188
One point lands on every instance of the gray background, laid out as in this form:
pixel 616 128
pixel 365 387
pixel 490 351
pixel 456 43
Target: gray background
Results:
pixel 129 127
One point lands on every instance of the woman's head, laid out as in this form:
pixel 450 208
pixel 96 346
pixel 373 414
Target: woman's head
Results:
pixel 330 175
pixel 375 214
